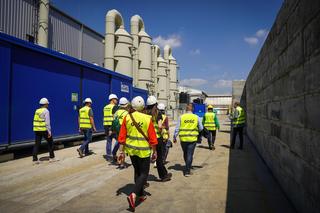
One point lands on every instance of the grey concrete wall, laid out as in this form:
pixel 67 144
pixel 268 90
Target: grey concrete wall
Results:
pixel 237 90
pixel 282 98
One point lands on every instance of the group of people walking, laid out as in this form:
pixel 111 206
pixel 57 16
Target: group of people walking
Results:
pixel 141 132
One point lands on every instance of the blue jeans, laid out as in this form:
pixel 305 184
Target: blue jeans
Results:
pixel 109 142
pixel 87 133
pixel 188 150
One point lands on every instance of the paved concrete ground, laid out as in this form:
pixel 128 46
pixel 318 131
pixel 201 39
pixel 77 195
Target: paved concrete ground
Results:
pixel 223 181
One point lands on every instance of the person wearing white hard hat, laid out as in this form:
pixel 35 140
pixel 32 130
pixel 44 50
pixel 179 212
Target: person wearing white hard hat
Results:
pixel 136 137
pixel 165 131
pixel 86 126
pixel 119 115
pixel 152 110
pixel 42 129
pixel 108 115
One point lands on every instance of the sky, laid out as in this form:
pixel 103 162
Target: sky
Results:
pixel 214 41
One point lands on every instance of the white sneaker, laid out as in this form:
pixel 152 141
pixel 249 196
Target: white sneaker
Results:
pixel 155 165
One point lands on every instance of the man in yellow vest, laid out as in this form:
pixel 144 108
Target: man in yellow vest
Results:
pixel 42 129
pixel 188 128
pixel 211 123
pixel 120 114
pixel 86 126
pixel 164 130
pixel 238 122
pixel 157 121
pixel 137 138
pixel 108 115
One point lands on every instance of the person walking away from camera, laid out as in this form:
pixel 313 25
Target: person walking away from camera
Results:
pixel 188 128
pixel 164 128
pixel 211 123
pixel 118 118
pixel 42 129
pixel 86 127
pixel 238 122
pixel 108 116
pixel 157 120
pixel 137 138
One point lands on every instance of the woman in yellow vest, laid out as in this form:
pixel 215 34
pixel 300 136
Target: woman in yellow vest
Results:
pixel 188 128
pixel 137 138
pixel 157 121
pixel 211 123
pixel 42 129
pixel 238 122
pixel 165 131
pixel 86 126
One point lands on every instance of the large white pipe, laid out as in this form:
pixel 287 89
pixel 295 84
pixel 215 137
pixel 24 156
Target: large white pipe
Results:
pixel 155 54
pixel 162 81
pixel 43 23
pixel 122 52
pixel 113 22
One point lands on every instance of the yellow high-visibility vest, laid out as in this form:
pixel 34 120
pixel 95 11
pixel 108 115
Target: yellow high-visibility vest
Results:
pixel 107 115
pixel 84 119
pixel 156 127
pixel 188 131
pixel 121 113
pixel 241 119
pixel 136 144
pixel 165 134
pixel 209 123
pixel 39 124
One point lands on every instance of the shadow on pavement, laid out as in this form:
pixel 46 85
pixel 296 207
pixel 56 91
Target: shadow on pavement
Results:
pixel 225 146
pixel 127 189
pixel 202 147
pixel 177 167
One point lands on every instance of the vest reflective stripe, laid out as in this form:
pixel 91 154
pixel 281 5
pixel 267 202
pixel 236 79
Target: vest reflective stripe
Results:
pixel 241 116
pixel 121 113
pixel 136 144
pixel 39 124
pixel 84 119
pixel 188 131
pixel 156 128
pixel 209 123
pixel 165 134
pixel 107 115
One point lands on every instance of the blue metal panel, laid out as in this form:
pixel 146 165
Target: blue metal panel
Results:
pixel 121 87
pixel 96 86
pixel 5 65
pixel 140 92
pixel 35 76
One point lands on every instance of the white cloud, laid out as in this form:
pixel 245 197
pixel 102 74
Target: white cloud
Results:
pixel 195 52
pixel 259 36
pixel 223 83
pixel 251 40
pixel 193 82
pixel 173 40
pixel 262 33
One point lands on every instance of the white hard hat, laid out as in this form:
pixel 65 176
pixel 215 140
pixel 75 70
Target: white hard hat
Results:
pixel 123 101
pixel 151 100
pixel 137 103
pixel 161 106
pixel 112 96
pixel 43 101
pixel 88 100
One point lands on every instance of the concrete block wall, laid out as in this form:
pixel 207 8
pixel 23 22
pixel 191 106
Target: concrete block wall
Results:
pixel 282 102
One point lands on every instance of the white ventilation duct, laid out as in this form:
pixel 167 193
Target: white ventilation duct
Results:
pixel 122 52
pixel 155 54
pixel 43 23
pixel 142 57
pixel 162 80
pixel 113 22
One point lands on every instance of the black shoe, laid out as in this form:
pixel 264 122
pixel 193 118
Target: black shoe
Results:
pixel 146 185
pixel 213 147
pixel 167 177
pixel 210 147
pixel 80 153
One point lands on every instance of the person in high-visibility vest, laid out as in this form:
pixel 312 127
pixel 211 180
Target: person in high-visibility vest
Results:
pixel 188 128
pixel 42 129
pixel 120 114
pixel 211 123
pixel 86 127
pixel 108 115
pixel 238 122
pixel 165 130
pixel 138 139
pixel 152 110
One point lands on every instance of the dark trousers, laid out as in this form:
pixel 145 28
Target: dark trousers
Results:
pixel 167 146
pixel 141 171
pixel 235 131
pixel 38 137
pixel 87 138
pixel 162 171
pixel 188 150
pixel 212 139
pixel 109 138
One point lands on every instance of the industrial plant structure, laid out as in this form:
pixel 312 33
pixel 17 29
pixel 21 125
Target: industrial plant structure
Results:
pixel 132 54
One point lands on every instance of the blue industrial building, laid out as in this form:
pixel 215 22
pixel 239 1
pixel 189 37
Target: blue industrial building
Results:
pixel 29 72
